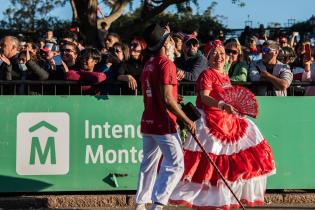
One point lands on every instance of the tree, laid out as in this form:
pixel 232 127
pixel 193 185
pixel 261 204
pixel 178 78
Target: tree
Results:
pixel 85 15
pixel 151 8
pixel 28 15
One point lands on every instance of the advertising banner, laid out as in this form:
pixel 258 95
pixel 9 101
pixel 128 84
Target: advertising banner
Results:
pixel 87 143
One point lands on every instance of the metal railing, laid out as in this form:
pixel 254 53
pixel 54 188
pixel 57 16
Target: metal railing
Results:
pixel 60 87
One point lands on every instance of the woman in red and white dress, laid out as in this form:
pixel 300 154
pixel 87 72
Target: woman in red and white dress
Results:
pixel 234 142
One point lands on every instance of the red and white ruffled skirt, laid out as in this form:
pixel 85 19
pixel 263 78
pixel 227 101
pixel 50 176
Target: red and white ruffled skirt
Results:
pixel 241 153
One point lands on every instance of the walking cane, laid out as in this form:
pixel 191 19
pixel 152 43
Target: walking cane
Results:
pixel 217 169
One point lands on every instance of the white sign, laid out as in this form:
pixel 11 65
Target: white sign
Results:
pixel 42 143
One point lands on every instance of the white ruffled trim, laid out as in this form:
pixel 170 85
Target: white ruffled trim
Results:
pixel 252 190
pixel 252 137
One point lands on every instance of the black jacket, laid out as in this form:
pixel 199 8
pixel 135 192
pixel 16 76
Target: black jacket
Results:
pixel 193 66
pixel 12 71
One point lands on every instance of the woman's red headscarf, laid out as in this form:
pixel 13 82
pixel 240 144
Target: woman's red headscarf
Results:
pixel 214 45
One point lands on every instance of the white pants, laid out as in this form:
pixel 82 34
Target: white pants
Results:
pixel 159 187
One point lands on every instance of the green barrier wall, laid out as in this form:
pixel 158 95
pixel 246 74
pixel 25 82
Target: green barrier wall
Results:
pixel 77 143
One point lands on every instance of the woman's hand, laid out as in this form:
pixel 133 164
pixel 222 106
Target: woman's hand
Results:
pixel 52 64
pixel 228 108
pixel 65 67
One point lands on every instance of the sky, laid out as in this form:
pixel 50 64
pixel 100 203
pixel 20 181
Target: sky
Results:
pixel 257 11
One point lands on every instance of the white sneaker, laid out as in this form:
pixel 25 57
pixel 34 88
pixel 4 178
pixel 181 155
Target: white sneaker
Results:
pixel 140 206
pixel 156 207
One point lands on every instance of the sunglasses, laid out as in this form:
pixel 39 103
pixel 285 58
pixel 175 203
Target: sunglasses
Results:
pixel 229 52
pixel 267 50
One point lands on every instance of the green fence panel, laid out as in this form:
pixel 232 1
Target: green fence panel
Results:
pixel 86 143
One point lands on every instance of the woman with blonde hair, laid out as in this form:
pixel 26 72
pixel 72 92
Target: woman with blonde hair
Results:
pixel 235 65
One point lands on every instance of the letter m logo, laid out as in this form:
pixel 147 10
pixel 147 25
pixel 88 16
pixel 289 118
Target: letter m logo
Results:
pixel 49 149
pixel 49 146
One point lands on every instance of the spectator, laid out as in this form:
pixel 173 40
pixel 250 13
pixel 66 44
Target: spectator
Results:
pixel 31 71
pixel 192 62
pixel 41 43
pixel 111 39
pixel 287 55
pixel 261 35
pixel 246 35
pixel 253 51
pixel 51 61
pixel 298 65
pixel 69 53
pixel 28 62
pixel 77 34
pixel 9 69
pixel 302 69
pixel 309 76
pixel 32 47
pixel 235 66
pixel 115 56
pixel 130 70
pixel 88 59
pixel 220 36
pixel 121 51
pixel 283 41
pixel 271 70
pixel 178 39
pixel 50 37
pixel 102 34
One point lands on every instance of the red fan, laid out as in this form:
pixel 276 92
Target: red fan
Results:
pixel 242 99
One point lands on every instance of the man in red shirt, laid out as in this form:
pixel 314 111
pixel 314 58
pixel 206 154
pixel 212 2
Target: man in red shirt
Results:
pixel 158 123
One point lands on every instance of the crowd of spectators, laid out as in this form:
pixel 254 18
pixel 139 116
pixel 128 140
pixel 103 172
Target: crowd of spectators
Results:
pixel 272 63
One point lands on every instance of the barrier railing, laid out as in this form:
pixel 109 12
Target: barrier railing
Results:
pixel 60 87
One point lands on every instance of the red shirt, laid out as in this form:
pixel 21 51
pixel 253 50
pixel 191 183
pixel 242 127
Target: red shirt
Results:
pixel 156 118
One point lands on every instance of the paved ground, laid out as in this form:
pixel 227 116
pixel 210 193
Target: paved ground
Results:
pixel 272 207
pixel 286 200
pixel 269 207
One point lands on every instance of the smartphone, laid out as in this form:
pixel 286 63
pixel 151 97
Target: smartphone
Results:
pixel 308 52
pixel 58 60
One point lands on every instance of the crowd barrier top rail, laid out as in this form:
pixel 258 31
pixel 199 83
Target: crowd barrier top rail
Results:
pixel 62 87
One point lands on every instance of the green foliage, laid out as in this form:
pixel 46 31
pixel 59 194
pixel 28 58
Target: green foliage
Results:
pixel 178 22
pixel 30 15
pixel 240 3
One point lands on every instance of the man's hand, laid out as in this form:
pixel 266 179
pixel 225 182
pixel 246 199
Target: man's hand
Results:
pixel 180 75
pixel 180 99
pixel 132 83
pixel 264 74
pixel 191 127
pixel 5 59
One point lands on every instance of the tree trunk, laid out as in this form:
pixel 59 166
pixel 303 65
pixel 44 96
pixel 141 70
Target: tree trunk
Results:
pixel 117 10
pixel 87 20
pixel 74 11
